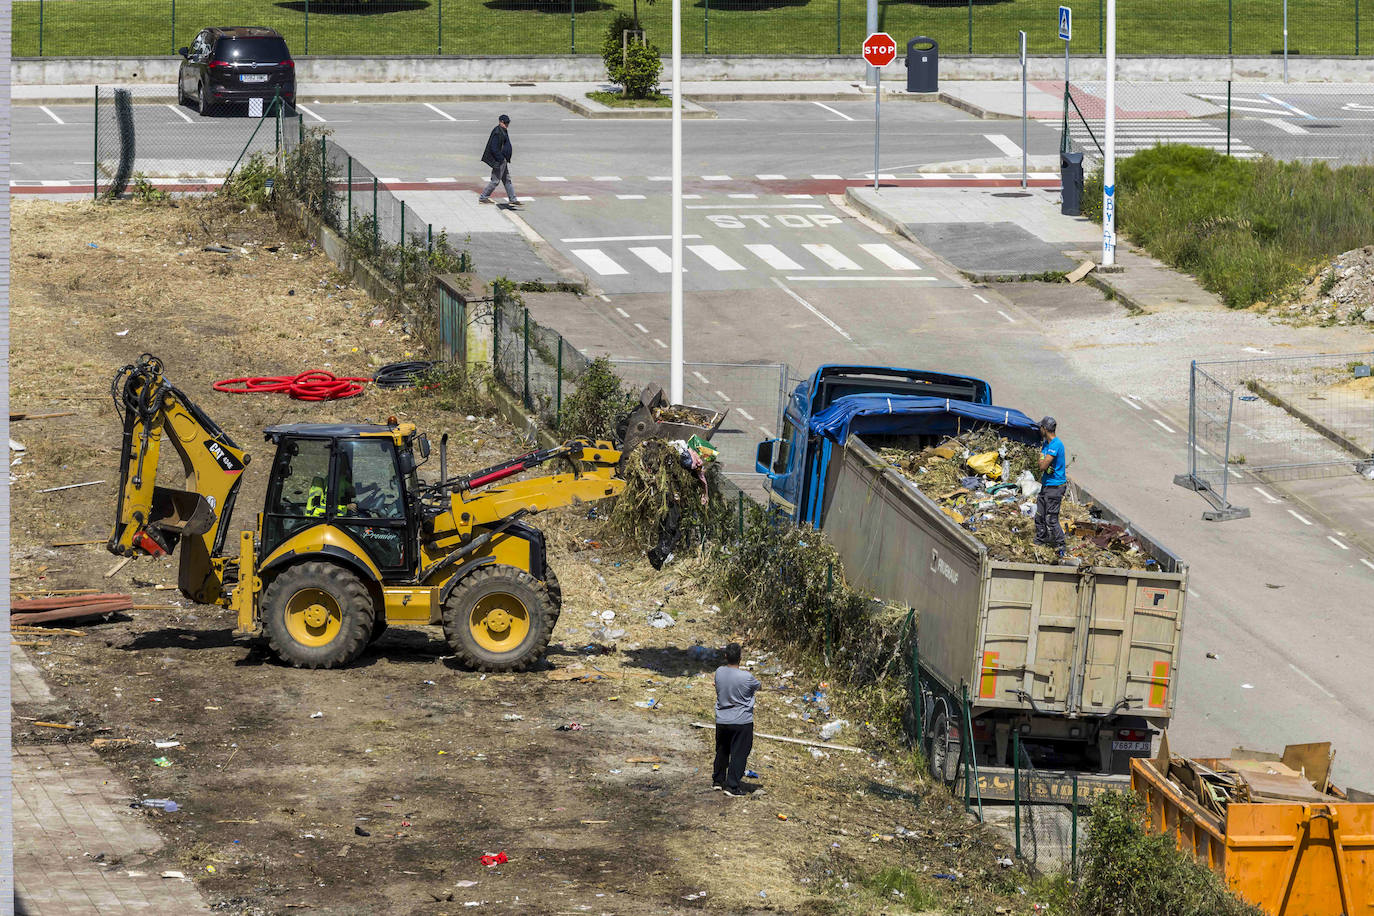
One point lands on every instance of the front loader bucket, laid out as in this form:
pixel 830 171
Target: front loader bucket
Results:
pixel 655 418
pixel 181 512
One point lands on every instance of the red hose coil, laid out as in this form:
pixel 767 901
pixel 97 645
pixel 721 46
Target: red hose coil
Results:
pixel 312 385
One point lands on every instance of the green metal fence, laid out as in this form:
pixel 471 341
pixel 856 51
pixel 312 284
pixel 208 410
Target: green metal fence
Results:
pixel 63 28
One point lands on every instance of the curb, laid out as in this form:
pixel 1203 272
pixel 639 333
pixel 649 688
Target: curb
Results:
pixel 1133 307
pixel 589 108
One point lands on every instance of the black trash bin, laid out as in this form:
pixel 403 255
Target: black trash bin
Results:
pixel 922 65
pixel 1071 177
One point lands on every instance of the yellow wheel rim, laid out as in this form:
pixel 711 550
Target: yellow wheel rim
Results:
pixel 499 622
pixel 313 617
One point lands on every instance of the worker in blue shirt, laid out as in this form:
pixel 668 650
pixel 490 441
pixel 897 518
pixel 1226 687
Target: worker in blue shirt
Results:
pixel 1048 531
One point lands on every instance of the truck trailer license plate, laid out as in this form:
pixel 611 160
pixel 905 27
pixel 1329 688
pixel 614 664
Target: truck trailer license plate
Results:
pixel 254 77
pixel 1131 746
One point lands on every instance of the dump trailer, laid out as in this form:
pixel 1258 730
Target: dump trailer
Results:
pixel 1081 662
pixel 1271 826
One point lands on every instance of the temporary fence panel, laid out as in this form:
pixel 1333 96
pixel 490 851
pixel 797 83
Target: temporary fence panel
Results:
pixel 60 28
pixel 1047 827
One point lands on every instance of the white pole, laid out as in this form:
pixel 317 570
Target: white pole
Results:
pixel 1285 41
pixel 871 21
pixel 1024 111
pixel 877 97
pixel 1109 167
pixel 675 294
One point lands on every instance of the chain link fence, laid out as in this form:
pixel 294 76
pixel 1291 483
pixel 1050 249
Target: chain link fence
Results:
pixel 62 28
pixel 149 146
pixel 1047 825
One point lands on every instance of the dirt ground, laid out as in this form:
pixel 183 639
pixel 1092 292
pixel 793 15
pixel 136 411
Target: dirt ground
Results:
pixel 375 789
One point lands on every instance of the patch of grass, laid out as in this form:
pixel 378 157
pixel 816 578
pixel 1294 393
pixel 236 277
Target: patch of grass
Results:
pixel 1249 230
pixel 1128 870
pixel 455 389
pixel 899 886
pixel 616 100
pixel 146 27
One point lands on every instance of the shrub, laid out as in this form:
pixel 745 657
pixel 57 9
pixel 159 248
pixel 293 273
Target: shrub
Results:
pixel 639 76
pixel 612 47
pixel 599 403
pixel 1128 870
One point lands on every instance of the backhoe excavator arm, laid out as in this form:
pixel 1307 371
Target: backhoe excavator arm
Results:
pixel 152 519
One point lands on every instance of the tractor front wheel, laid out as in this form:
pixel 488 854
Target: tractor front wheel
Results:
pixel 317 615
pixel 499 618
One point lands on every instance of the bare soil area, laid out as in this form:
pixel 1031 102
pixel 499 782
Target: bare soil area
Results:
pixel 377 788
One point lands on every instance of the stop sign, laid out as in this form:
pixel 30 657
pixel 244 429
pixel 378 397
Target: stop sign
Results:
pixel 879 49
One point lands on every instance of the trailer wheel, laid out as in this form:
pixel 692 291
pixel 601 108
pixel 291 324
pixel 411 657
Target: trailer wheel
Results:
pixel 944 749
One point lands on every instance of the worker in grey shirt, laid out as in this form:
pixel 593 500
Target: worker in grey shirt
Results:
pixel 734 722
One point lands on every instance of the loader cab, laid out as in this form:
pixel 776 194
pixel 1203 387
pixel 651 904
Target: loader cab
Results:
pixel 358 479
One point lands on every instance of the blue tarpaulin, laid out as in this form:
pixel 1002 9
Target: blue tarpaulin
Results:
pixel 881 414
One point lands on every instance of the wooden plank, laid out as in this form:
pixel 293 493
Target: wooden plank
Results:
pixel 823 744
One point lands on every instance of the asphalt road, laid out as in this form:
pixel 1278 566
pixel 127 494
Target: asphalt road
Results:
pixel 1291 661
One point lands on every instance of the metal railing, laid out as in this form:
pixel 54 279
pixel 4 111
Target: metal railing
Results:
pixel 1277 417
pixel 60 28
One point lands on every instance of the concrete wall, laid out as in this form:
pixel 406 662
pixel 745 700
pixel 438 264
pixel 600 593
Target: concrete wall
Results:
pixel 55 71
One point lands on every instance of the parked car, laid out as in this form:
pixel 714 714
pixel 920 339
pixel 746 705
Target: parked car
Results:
pixel 235 64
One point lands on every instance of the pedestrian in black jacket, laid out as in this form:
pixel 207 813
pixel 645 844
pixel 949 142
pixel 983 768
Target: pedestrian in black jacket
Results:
pixel 497 155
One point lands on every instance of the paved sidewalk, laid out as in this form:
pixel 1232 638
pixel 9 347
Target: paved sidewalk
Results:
pixel 495 241
pixel 71 816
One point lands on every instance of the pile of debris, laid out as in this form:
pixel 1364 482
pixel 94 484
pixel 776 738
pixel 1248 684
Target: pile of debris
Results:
pixel 987 485
pixel 68 607
pixel 1341 293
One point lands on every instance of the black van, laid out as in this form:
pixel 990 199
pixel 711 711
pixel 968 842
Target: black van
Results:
pixel 234 64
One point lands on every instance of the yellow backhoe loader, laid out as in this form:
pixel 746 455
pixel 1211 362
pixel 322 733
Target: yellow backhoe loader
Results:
pixel 350 540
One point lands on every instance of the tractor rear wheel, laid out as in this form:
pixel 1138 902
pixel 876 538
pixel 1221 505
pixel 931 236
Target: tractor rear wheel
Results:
pixel 555 595
pixel 499 618
pixel 317 615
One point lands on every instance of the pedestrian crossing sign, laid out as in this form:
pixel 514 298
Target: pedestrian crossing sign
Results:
pixel 1065 23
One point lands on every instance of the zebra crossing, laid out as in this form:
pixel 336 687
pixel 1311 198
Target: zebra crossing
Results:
pixel 813 259
pixel 1133 135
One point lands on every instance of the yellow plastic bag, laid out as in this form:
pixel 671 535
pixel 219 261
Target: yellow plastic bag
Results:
pixel 988 464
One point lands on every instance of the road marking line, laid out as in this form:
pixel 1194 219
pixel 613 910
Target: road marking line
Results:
pixel 1266 494
pixel 831 256
pixel 1309 680
pixel 757 207
pixel 619 310
pixel 846 278
pixel 311 113
pixel 703 379
pixel 1131 404
pixel 1234 473
pixel 550 178
pixel 386 181
pixel 574 197
pixel 887 176
pixel 767 433
pixel 722 395
pixel 715 177
pixel 771 177
pixel 691 197
pixel 642 328
pixel 890 256
pixel 48 111
pixel 774 258
pixel 441 180
pixel 606 178
pixel 1010 319
pixel 1336 542
pixel 1003 142
pixel 1164 426
pixel 980 298
pixel 812 309
pixel 1195 593
pixel 660 178
pixel 827 177
pixel 179 113
pixel 1286 126
pixel 797 196
pixel 630 197
pixel 55 184
pixel 627 238
pixel 656 258
pixel 660 343
pixel 744 413
pixel 599 261
pixel 743 196
pixel 833 111
pixel 1367 563
pixel 439 111
pixel 714 257
pixel 1293 108
pixel 1299 517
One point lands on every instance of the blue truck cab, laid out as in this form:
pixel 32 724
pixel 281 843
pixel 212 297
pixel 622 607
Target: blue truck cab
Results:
pixel 795 463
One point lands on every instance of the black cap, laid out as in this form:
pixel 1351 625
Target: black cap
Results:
pixel 504 119
pixel 1048 424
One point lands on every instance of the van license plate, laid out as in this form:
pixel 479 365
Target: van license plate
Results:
pixel 254 77
pixel 1131 746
